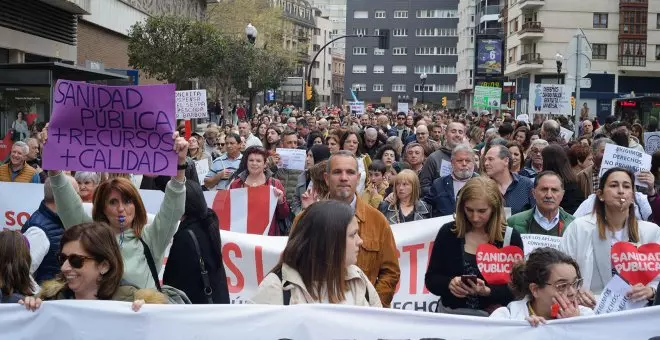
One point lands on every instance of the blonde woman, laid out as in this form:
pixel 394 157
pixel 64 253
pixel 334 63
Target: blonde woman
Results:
pixel 589 239
pixel 407 205
pixel 479 220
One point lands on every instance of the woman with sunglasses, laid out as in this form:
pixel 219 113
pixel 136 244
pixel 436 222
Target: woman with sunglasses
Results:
pixel 549 282
pixel 118 203
pixel 91 269
pixel 253 172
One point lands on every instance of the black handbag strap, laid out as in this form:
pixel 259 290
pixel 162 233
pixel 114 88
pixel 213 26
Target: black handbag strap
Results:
pixel 150 262
pixel 208 291
pixel 286 294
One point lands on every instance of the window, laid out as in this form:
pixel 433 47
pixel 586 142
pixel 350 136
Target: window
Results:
pixel 316 47
pixel 633 21
pixel 632 52
pixel 435 69
pixel 445 88
pixel 657 21
pixel 447 50
pixel 425 51
pixel 599 51
pixel 512 55
pixel 379 69
pixel 398 87
pixel 436 32
pixel 427 88
pixel 316 64
pixel 380 14
pixel 400 14
pixel 399 32
pixel 436 13
pixel 359 51
pixel 399 69
pixel 657 52
pixel 360 31
pixel 378 51
pixel 400 51
pixel 378 87
pixel 361 14
pixel 315 81
pixel 600 20
pixel 359 87
pixel 359 68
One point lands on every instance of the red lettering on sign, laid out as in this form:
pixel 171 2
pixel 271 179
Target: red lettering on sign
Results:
pixel 240 280
pixel 13 219
pixel 398 284
pixel 412 249
pixel 259 262
pixel 428 259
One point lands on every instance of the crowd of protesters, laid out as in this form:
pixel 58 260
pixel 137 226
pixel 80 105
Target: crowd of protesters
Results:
pixel 499 177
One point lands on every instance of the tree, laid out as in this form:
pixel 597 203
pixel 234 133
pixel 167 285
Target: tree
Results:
pixel 170 48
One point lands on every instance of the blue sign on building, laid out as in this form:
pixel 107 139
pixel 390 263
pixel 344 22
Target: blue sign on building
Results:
pixel 270 95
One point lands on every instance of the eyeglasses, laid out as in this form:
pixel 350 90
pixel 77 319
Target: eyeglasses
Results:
pixel 220 144
pixel 76 261
pixel 561 287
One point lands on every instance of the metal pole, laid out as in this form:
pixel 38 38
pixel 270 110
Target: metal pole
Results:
pixel 578 53
pixel 302 105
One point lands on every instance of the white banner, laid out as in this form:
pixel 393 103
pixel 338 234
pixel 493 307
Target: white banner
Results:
pixel 92 320
pixel 191 104
pixel 248 257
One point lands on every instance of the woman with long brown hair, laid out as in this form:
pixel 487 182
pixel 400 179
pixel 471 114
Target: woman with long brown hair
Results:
pixel 479 219
pixel 589 239
pixel 318 264
pixel 15 262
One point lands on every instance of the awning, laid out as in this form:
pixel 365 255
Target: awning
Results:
pixel 62 71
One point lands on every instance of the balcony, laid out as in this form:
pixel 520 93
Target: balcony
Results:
pixel 530 4
pixel 531 30
pixel 529 62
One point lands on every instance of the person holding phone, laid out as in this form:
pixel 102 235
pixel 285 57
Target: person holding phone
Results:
pixel 452 273
pixel 549 282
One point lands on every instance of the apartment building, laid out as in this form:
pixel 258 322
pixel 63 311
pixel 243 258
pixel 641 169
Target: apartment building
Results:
pixel 423 41
pixel 624 41
pixel 322 66
pixel 335 10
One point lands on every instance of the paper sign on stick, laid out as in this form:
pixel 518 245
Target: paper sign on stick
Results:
pixel 636 265
pixel 191 104
pixel 117 129
pixel 496 264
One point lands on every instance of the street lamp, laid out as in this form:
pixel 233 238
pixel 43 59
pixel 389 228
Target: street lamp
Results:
pixel 251 33
pixel 560 60
pixel 422 77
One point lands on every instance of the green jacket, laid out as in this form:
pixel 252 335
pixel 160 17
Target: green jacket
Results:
pixel 520 221
pixel 156 235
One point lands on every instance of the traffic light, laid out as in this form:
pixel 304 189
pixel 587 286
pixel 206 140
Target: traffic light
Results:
pixel 572 102
pixel 384 39
pixel 308 91
pixel 444 101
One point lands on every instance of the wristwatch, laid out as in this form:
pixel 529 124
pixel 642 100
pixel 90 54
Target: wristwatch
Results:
pixel 183 166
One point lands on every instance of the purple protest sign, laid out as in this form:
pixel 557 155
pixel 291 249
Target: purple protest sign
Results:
pixel 117 129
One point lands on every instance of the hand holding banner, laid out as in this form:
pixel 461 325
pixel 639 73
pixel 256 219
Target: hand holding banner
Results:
pixel 118 129
pixel 495 264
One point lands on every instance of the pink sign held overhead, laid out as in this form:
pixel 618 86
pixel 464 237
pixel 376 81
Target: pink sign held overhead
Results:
pixel 118 129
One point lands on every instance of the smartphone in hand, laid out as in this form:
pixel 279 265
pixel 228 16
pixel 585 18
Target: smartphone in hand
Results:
pixel 466 279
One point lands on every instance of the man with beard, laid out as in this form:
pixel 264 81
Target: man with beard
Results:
pixel 442 196
pixel 454 135
pixel 547 218
pixel 588 179
pixel 436 133
pixel 377 257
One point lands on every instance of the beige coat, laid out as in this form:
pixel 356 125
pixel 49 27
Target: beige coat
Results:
pixel 270 289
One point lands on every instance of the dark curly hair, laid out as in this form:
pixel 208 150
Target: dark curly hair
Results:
pixel 537 269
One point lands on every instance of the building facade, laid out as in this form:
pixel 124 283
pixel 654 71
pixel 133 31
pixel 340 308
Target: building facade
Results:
pixel 335 10
pixel 465 45
pixel 322 66
pixel 338 67
pixel 624 45
pixel 423 40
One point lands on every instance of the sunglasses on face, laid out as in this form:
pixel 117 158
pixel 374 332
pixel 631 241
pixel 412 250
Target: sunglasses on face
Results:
pixel 75 261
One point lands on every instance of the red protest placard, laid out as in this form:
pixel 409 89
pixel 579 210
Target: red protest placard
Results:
pixel 495 264
pixel 636 265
